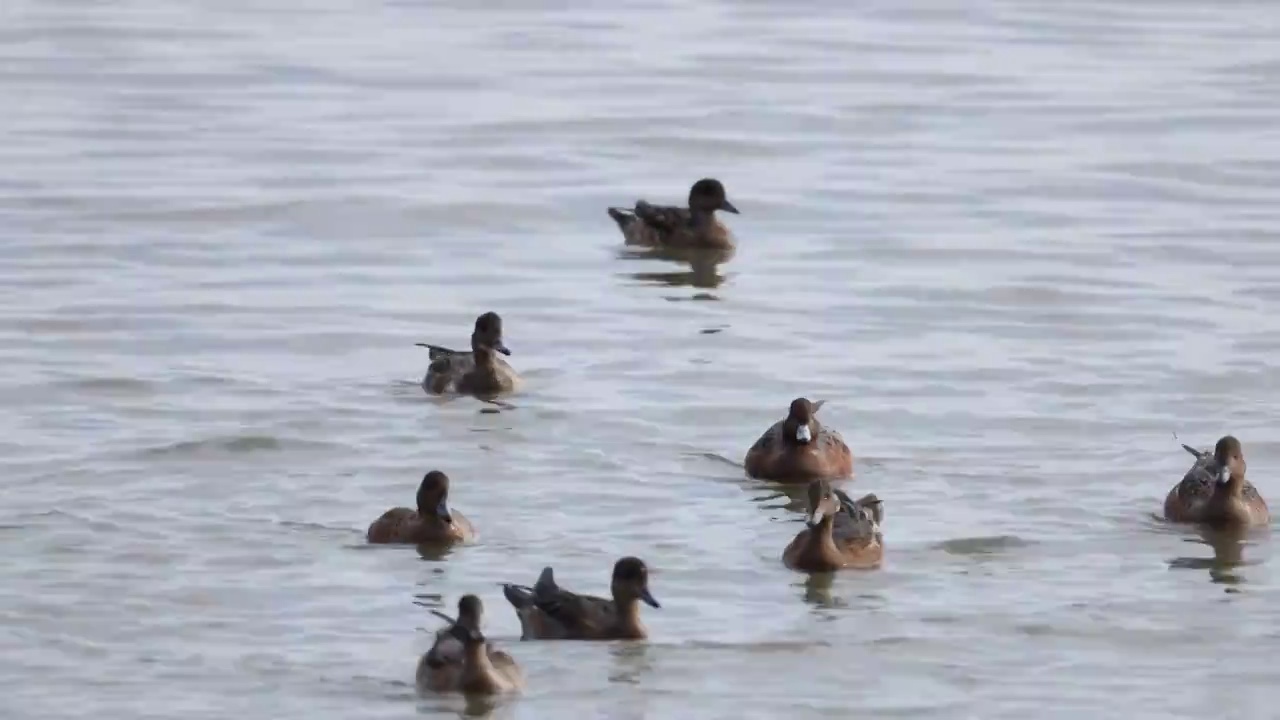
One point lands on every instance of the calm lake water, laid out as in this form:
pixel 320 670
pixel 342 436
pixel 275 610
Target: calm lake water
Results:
pixel 1015 245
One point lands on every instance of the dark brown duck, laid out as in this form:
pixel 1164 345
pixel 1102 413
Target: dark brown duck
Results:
pixel 477 372
pixel 841 532
pixel 461 660
pixel 1215 492
pixel 798 449
pixel 432 522
pixel 549 612
pixel 692 227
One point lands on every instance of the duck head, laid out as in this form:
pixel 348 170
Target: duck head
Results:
pixel 488 333
pixel 433 497
pixel 631 582
pixel 800 428
pixel 707 195
pixel 823 503
pixel 1228 455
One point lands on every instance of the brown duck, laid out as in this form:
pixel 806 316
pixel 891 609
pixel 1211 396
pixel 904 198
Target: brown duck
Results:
pixel 841 533
pixel 477 372
pixel 799 449
pixel 696 226
pixel 432 522
pixel 549 612
pixel 1215 492
pixel 461 660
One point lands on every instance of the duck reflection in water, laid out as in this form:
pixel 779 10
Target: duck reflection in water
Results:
pixel 1227 545
pixel 703 267
pixel 631 662
pixel 817 591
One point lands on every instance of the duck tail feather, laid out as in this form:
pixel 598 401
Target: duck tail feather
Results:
pixel 435 351
pixel 546 582
pixel 622 216
pixel 518 595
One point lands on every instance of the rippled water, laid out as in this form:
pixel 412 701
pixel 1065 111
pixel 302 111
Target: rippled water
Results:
pixel 1015 245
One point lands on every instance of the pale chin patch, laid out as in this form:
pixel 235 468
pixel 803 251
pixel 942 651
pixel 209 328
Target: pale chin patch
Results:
pixel 804 434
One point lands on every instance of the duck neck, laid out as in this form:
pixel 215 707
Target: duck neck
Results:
pixel 1232 489
pixel 820 545
pixel 478 673
pixel 1235 485
pixel 702 217
pixel 483 356
pixel 789 429
pixel 431 515
pixel 1227 505
pixel 629 615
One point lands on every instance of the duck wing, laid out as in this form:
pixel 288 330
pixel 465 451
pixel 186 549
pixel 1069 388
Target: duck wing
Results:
pixel 1197 484
pixel 578 613
pixel 447 649
pixel 582 613
pixel 859 518
pixel 523 596
pixel 1199 455
pixel 665 218
pixel 586 615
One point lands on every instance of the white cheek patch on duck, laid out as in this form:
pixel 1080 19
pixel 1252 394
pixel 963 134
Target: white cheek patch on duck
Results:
pixel 804 434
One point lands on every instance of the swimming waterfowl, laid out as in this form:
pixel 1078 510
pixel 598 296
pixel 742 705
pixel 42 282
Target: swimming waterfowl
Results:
pixel 675 227
pixel 841 533
pixel 461 660
pixel 432 522
pixel 1215 492
pixel 549 612
pixel 478 372
pixel 798 449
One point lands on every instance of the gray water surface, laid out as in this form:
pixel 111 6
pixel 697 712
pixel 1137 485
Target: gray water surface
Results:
pixel 1016 246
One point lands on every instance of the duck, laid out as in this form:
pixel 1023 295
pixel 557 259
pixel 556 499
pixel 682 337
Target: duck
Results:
pixel 799 449
pixel 476 372
pixel 549 612
pixel 1214 491
pixel 462 660
pixel 432 522
pixel 667 226
pixel 840 533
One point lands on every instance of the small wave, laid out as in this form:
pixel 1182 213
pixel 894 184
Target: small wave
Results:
pixel 112 385
pixel 235 445
pixel 765 646
pixel 987 545
pixel 303 525
pixel 717 457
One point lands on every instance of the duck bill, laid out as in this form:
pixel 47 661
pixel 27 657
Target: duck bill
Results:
pixel 442 511
pixel 814 519
pixel 500 347
pixel 804 435
pixel 1224 475
pixel 648 598
pixel 729 208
